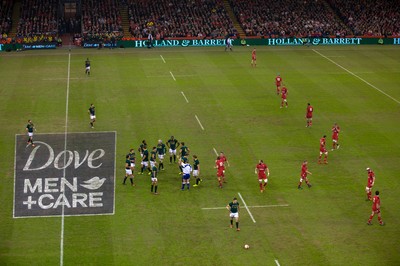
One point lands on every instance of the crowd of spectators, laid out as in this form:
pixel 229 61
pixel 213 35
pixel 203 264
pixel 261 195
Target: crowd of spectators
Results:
pixel 101 20
pixel 5 16
pixel 176 18
pixel 287 18
pixel 38 18
pixel 370 17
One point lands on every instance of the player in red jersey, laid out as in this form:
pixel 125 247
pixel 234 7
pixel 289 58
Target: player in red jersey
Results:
pixel 284 93
pixel 322 150
pixel 278 81
pixel 253 58
pixel 335 137
pixel 261 168
pixel 219 164
pixel 225 161
pixel 376 209
pixel 303 175
pixel 370 183
pixel 309 115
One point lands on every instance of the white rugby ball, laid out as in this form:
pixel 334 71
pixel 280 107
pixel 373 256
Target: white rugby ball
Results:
pixel 246 246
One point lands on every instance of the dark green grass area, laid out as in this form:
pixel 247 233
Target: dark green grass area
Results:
pixel 135 95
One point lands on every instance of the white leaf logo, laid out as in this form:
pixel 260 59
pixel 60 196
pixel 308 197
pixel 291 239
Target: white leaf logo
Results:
pixel 94 183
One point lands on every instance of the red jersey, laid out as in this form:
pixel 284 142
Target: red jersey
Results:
pixel 284 93
pixel 371 179
pixel 322 143
pixel 376 203
pixel 278 80
pixel 262 167
pixel 253 55
pixel 335 132
pixel 220 167
pixel 304 170
pixel 224 160
pixel 310 110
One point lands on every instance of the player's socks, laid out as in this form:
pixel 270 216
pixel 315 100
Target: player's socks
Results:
pixel 125 178
pixel 183 186
pixel 174 158
pixel 131 179
pixel 237 225
pixel 261 187
pixel 188 186
pixel 151 189
pixel 170 159
pixel 155 189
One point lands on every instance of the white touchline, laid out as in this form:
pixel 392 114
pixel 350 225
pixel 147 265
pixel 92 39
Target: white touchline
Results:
pixel 163 59
pixel 216 153
pixel 184 96
pixel 65 160
pixel 261 206
pixel 245 205
pixel 172 75
pixel 277 263
pixel 199 122
pixel 360 78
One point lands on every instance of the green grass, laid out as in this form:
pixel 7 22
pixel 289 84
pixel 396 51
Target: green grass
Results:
pixel 136 96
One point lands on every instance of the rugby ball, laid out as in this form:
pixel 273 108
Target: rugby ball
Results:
pixel 246 246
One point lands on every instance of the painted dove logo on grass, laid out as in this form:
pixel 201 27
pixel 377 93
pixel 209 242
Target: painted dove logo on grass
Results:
pixel 94 183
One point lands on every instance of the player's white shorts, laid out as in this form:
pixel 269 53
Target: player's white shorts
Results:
pixel 145 163
pixel 195 172
pixel 154 179
pixel 334 140
pixel 368 189
pixel 88 68
pixel 128 171
pixel 152 164
pixel 160 157
pixel 30 134
pixel 234 215
pixel 172 152
pixel 323 152
pixel 92 117
pixel 132 165
pixel 261 180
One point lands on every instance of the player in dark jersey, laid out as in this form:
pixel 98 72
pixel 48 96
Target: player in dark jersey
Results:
pixel 92 115
pixel 145 160
pixel 172 144
pixel 153 157
pixel 132 158
pixel 30 127
pixel 128 171
pixel 87 67
pixel 154 180
pixel 233 208
pixel 161 150
pixel 144 143
pixel 196 170
pixel 183 153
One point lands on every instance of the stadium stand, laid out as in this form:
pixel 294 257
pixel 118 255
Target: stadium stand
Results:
pixel 5 16
pixel 175 18
pixel 287 18
pixel 101 20
pixel 370 17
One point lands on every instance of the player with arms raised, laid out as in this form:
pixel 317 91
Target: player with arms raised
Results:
pixel 370 183
pixel 303 175
pixel 322 150
pixel 263 174
pixel 278 82
pixel 376 209
pixel 309 115
pixel 335 137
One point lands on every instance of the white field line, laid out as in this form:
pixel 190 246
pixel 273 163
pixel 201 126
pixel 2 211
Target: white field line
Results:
pixel 162 58
pixel 216 153
pixel 277 263
pixel 247 208
pixel 65 160
pixel 260 206
pixel 184 96
pixel 360 78
pixel 199 122
pixel 172 75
